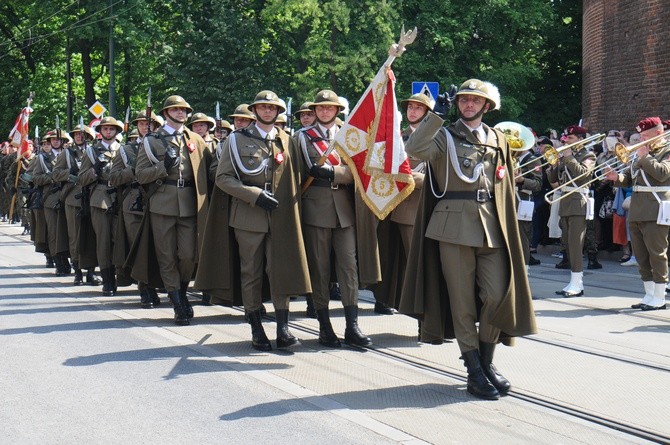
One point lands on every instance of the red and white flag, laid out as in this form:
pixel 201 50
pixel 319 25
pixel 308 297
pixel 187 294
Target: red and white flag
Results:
pixel 18 137
pixel 371 143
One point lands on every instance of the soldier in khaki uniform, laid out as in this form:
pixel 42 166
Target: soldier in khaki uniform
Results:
pixel 43 177
pixel 242 116
pixel 328 219
pixel 306 115
pixel 94 173
pixel 259 170
pixel 171 164
pixel 573 208
pixel 122 176
pixel 649 176
pixel 468 229
pixel 66 172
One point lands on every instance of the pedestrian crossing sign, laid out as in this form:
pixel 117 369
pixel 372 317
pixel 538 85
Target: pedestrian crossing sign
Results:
pixel 430 89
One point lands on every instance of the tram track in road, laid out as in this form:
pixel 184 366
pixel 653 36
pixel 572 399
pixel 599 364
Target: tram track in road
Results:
pixel 537 400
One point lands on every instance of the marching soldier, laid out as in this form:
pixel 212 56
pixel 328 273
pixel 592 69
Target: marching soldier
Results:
pixel 94 174
pixel 466 246
pixel 66 173
pixel 122 176
pixel 171 165
pixel 52 205
pixel 647 216
pixel 328 220
pixel 259 170
pixel 573 209
pixel 222 133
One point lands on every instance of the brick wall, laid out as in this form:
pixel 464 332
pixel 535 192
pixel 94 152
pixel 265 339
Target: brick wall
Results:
pixel 625 62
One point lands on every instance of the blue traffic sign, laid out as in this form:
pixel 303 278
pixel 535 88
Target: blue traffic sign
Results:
pixel 430 89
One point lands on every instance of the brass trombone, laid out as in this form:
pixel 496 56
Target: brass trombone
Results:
pixel 622 161
pixel 551 154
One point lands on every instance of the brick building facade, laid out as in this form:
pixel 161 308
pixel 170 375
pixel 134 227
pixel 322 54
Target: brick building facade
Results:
pixel 625 62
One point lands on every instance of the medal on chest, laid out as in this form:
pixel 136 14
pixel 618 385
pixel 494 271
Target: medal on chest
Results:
pixel 500 172
pixel 279 157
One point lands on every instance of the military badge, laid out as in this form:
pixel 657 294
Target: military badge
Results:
pixel 191 147
pixel 279 157
pixel 500 172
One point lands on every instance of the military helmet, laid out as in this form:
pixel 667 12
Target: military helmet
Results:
pixel 281 119
pixel 49 135
pixel 175 101
pixel 90 134
pixel 327 97
pixel 483 89
pixel 226 125
pixel 201 117
pixel 418 98
pixel 243 110
pixel 52 135
pixel 158 120
pixel 109 120
pixel 134 134
pixel 142 116
pixel 270 98
pixel 303 108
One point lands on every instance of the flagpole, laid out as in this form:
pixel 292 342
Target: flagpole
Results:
pixel 19 164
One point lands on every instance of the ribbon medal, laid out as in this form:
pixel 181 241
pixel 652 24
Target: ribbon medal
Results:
pixel 191 147
pixel 500 172
pixel 279 157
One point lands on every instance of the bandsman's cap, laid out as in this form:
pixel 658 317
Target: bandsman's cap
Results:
pixel 648 123
pixel 576 130
pixel 175 101
pixel 270 98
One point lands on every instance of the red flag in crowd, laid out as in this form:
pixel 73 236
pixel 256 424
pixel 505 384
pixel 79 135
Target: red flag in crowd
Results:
pixel 18 137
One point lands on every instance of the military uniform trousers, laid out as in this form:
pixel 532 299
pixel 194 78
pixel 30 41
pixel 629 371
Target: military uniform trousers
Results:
pixel 104 225
pixel 254 250
pixel 73 228
pixel 319 242
pixel 467 267
pixel 406 231
pixel 574 231
pixel 132 222
pixel 650 244
pixel 526 232
pixel 51 218
pixel 175 244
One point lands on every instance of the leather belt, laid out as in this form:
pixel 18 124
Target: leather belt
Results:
pixel 176 182
pixel 481 195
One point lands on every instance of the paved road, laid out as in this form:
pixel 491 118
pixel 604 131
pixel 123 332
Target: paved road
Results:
pixel 81 368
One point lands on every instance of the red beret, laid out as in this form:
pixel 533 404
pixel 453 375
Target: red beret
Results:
pixel 648 123
pixel 576 130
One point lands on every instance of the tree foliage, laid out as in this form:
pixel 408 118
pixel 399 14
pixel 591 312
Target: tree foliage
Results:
pixel 228 50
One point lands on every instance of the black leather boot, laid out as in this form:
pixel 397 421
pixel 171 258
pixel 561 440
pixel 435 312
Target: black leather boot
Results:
pixel 311 312
pixel 188 309
pixel 593 262
pixel 155 299
pixel 564 263
pixel 108 281
pixel 60 267
pixel 78 275
pixel 335 293
pixel 145 298
pixel 180 318
pixel 352 334
pixel 284 336
pixel 259 340
pixel 206 299
pixel 65 263
pixel 478 385
pixel 50 262
pixel 486 353
pixel 381 308
pixel 327 336
pixel 91 278
pixel 26 229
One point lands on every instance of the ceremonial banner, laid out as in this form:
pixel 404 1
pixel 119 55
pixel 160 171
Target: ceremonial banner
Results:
pixel 18 137
pixel 371 143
